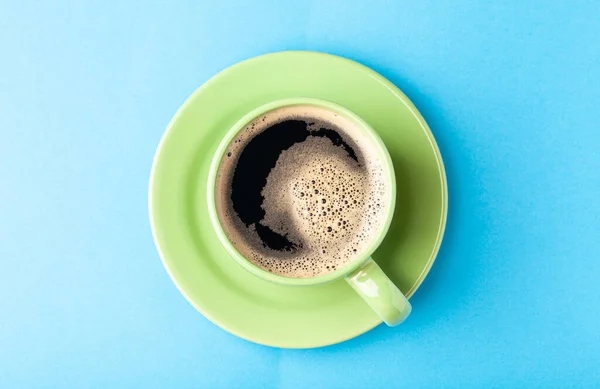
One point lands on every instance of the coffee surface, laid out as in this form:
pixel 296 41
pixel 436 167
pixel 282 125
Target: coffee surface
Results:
pixel 297 195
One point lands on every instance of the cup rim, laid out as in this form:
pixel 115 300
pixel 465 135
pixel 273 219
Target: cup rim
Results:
pixel 365 255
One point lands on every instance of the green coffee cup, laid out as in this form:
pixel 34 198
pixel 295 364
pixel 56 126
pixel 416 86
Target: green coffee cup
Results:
pixel 362 273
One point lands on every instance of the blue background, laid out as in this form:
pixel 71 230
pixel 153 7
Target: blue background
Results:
pixel 510 89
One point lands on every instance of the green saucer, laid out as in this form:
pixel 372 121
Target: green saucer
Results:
pixel 214 283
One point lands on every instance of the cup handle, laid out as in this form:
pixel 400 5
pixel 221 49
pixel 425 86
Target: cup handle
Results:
pixel 388 302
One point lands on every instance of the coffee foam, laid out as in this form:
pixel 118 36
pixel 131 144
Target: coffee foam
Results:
pixel 329 204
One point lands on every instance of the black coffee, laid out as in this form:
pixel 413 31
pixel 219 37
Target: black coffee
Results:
pixel 295 193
